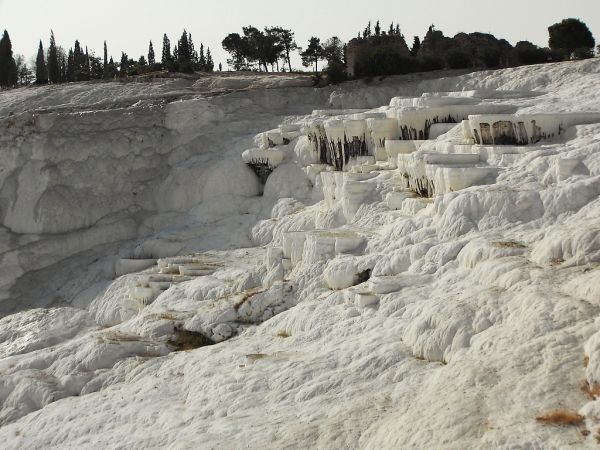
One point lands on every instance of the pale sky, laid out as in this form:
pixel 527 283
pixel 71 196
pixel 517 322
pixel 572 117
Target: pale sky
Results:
pixel 129 25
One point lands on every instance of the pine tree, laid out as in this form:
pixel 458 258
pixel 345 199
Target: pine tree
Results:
pixel 151 60
pixel 286 42
pixel 8 66
pixel 569 35
pixel 105 55
pixel 391 30
pixel 166 52
pixel 313 53
pixel 236 46
pixel 41 73
pixel 377 29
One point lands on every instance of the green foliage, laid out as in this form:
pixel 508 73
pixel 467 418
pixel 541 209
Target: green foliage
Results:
pixel 569 35
pixel 428 63
pixel 316 79
pixel 415 47
pixel 336 72
pixel 583 53
pixel 384 61
pixel 457 58
pixel 527 53
pixel 490 56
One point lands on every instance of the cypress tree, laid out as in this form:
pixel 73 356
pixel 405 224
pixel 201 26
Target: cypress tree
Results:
pixel 124 64
pixel 209 61
pixel 3 63
pixel 166 52
pixel 77 57
pixel 151 55
pixel 183 48
pixel 53 69
pixel 71 66
pixel 95 68
pixel 86 65
pixel 201 58
pixel 106 54
pixel 62 64
pixel 41 73
pixel 193 53
pixel 415 47
pixel 110 71
pixel 8 66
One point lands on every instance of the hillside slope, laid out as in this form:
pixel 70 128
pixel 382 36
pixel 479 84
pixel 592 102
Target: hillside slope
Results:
pixel 347 311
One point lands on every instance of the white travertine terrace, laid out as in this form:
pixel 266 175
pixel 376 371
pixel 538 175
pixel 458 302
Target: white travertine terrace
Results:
pixel 508 129
pixel 444 294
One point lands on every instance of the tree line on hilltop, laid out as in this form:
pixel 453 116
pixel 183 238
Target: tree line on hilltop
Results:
pixel 56 65
pixel 374 52
pixel 380 54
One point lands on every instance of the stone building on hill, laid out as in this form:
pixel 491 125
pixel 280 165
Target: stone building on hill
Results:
pixel 434 45
pixel 359 50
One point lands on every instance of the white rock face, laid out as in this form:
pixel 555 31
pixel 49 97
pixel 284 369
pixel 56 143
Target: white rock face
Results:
pixel 400 293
